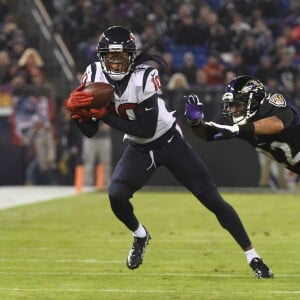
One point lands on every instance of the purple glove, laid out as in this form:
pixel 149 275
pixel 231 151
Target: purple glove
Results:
pixel 193 110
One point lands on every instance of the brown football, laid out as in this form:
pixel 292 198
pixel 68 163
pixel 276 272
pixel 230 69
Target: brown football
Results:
pixel 103 93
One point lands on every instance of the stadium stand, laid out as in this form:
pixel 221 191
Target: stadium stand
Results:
pixel 64 33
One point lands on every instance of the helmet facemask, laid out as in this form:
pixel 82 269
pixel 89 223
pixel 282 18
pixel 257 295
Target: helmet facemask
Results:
pixel 238 109
pixel 123 60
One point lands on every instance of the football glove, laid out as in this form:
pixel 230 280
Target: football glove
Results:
pixel 79 99
pixel 193 110
pixel 87 114
pixel 224 130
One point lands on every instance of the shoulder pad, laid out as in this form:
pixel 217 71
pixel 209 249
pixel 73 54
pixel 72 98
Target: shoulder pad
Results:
pixel 277 100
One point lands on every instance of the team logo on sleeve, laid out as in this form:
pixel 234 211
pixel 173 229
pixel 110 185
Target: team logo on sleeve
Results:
pixel 277 100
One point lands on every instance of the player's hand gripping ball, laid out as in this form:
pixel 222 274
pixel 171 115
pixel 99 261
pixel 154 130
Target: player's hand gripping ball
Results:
pixel 94 95
pixel 103 94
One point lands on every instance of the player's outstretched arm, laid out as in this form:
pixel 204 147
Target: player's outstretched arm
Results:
pixel 195 118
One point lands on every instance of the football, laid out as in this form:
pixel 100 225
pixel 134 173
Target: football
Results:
pixel 103 93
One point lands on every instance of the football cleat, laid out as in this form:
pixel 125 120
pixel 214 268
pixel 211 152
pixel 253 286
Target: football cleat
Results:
pixel 260 269
pixel 137 251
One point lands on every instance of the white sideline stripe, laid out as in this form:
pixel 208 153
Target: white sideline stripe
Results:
pixel 145 291
pixel 205 275
pixel 11 196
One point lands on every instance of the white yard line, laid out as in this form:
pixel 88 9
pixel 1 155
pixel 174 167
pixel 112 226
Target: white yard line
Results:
pixel 126 274
pixel 11 196
pixel 79 290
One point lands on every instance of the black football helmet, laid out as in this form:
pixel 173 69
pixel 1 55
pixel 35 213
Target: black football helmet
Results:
pixel 242 98
pixel 113 40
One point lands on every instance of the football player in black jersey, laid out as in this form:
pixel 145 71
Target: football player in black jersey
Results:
pixel 251 113
pixel 153 140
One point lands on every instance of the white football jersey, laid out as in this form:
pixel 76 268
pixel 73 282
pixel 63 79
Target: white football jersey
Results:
pixel 138 89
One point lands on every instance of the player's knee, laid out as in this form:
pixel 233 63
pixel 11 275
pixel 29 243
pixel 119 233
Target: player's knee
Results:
pixel 118 192
pixel 211 199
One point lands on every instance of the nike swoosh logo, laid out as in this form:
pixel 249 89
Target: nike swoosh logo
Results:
pixel 148 108
pixel 170 139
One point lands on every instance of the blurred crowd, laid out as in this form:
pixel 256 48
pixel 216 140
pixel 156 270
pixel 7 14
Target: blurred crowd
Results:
pixel 50 143
pixel 205 43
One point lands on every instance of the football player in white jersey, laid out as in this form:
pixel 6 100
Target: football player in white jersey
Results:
pixel 153 140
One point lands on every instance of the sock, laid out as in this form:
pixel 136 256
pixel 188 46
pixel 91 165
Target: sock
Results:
pixel 140 232
pixel 250 254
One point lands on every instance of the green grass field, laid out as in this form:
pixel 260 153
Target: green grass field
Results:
pixel 74 248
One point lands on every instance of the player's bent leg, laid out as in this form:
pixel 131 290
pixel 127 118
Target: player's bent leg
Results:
pixel 230 220
pixel 226 215
pixel 119 195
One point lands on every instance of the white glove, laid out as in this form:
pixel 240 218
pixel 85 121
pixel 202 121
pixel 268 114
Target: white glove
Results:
pixel 224 130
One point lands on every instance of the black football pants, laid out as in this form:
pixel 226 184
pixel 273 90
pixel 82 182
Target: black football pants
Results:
pixel 139 162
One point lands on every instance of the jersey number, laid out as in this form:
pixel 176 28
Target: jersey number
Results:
pixel 287 152
pixel 156 81
pixel 125 111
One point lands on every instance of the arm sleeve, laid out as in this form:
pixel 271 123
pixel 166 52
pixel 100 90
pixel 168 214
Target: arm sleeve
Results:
pixel 288 116
pixel 146 119
pixel 88 128
pixel 205 132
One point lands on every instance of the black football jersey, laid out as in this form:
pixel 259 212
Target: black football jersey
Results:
pixel 285 146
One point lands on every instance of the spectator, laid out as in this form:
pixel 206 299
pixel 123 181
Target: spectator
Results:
pixel 30 59
pixel 287 72
pixel 237 65
pixel 177 86
pixel 189 67
pixel 263 36
pixel 8 28
pixel 200 79
pixel 271 173
pixel 86 52
pixel 214 70
pixel 295 94
pixel 218 39
pixel 148 34
pixel 4 10
pixel 178 81
pixel 206 93
pixel 187 31
pixel 43 163
pixel 229 76
pixel 167 70
pixel 69 147
pixel 5 76
pixel 238 28
pixel 278 50
pixel 97 152
pixel 250 53
pixel 17 46
pixel 265 68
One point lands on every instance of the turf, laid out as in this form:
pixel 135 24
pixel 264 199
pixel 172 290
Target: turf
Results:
pixel 74 248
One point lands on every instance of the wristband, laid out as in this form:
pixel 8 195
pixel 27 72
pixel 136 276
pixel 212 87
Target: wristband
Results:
pixel 247 129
